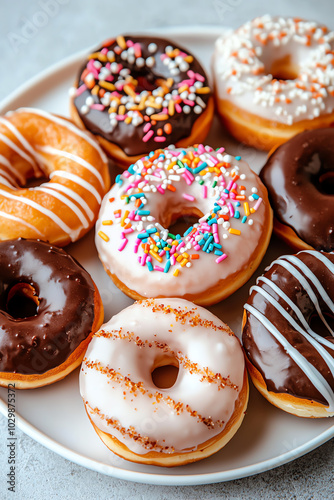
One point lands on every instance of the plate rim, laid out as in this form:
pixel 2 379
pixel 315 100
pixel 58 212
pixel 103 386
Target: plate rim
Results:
pixel 165 479
pixel 92 464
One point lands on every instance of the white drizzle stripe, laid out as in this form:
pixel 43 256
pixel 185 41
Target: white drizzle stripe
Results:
pixel 69 126
pixel 17 150
pixel 323 258
pixel 305 284
pixel 7 175
pixel 296 310
pixel 6 182
pixel 325 355
pixel 51 215
pixel 21 221
pixel 23 141
pixel 4 161
pixel 75 196
pixel 57 152
pixel 319 382
pixel 77 180
pixel 66 201
pixel 308 273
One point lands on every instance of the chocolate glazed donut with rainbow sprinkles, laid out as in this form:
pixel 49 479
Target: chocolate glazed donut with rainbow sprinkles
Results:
pixel 139 93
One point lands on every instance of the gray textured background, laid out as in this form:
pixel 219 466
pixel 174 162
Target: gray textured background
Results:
pixel 35 35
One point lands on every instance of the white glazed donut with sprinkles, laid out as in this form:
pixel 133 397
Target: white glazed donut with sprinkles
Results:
pixel 190 418
pixel 274 77
pixel 214 256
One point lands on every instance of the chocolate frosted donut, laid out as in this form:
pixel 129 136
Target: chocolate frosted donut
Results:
pixel 299 176
pixel 288 333
pixel 49 306
pixel 138 93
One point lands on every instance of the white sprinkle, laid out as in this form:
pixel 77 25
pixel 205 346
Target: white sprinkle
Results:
pixel 90 100
pixel 140 62
pixel 152 47
pixel 184 66
pixel 84 109
pixel 150 62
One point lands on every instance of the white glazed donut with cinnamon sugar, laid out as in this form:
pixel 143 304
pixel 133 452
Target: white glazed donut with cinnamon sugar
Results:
pixel 215 255
pixel 195 414
pixel 274 78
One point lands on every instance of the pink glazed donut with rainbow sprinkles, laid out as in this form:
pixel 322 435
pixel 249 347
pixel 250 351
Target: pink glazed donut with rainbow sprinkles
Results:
pixel 274 78
pixel 215 256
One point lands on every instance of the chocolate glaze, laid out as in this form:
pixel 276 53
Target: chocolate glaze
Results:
pixel 64 316
pixel 129 137
pixel 279 370
pixel 299 177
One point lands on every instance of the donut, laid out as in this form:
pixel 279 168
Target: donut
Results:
pixel 138 93
pixel 199 408
pixel 288 332
pixel 274 77
pixel 299 176
pixel 215 256
pixel 49 309
pixel 38 147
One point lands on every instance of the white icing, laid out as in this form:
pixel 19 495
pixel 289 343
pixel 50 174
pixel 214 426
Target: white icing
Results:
pixel 305 284
pixel 77 180
pixel 204 272
pixel 69 125
pixel 17 150
pixel 72 206
pixel 210 348
pixel 75 196
pixel 319 382
pixel 326 356
pixel 24 143
pixel 21 221
pixel 58 152
pixel 296 310
pixel 48 213
pixel 12 170
pixel 242 62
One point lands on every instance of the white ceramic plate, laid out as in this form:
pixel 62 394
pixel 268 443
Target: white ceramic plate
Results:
pixel 55 416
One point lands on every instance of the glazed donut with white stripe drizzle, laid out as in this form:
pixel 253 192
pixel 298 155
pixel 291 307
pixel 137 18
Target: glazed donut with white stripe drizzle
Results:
pixel 288 333
pixel 35 144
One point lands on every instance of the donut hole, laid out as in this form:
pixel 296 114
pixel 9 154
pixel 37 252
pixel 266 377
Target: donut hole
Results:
pixel 283 68
pixel 320 169
pixel 35 181
pixel 22 301
pixel 326 183
pixel 165 372
pixel 180 223
pixel 317 325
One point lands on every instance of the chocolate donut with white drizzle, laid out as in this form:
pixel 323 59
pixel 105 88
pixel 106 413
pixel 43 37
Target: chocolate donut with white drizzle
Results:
pixel 288 333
